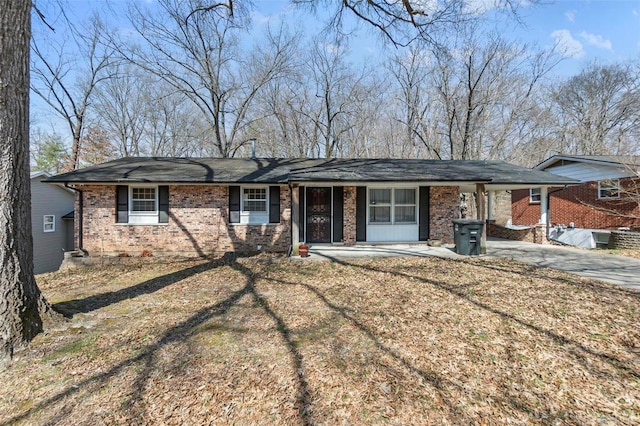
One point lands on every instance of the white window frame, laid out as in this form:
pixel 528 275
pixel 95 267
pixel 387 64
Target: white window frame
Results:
pixel 254 217
pixel 392 205
pixel 52 223
pixel 533 195
pixel 616 185
pixel 143 217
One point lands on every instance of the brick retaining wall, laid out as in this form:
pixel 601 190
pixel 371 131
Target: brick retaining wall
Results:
pixel 536 234
pixel 624 240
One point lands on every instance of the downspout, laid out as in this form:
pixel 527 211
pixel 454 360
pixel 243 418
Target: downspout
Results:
pixel 548 215
pixel 80 215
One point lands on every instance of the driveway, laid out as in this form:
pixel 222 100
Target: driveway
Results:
pixel 620 270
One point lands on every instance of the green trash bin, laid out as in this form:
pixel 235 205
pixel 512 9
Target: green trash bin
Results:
pixel 467 234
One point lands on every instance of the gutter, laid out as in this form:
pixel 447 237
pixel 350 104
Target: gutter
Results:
pixel 80 215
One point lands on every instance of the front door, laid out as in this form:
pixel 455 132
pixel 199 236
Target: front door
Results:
pixel 318 215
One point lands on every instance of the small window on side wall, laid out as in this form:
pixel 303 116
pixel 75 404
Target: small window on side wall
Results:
pixel 49 223
pixel 534 195
pixel 608 189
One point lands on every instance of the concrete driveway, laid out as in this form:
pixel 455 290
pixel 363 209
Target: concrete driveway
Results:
pixel 621 270
pixel 624 271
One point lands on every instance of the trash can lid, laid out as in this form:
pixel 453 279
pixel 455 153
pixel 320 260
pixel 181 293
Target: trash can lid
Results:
pixel 468 222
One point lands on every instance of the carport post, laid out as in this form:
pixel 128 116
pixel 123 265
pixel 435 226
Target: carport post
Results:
pixel 481 216
pixel 490 201
pixel 544 209
pixel 295 216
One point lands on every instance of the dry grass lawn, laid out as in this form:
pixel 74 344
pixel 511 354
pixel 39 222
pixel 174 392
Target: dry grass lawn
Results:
pixel 398 341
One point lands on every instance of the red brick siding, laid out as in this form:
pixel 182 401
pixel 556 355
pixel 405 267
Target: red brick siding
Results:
pixel 522 211
pixel 198 224
pixel 580 205
pixel 349 216
pixel 443 208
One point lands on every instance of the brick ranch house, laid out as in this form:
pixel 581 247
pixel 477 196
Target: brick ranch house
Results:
pixel 606 197
pixel 200 206
pixel 600 201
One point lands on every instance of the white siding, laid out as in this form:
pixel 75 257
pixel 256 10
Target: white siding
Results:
pixel 49 247
pixel 392 233
pixel 586 172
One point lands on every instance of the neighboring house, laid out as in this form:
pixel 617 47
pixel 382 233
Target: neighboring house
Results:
pixel 603 201
pixel 51 222
pixel 207 205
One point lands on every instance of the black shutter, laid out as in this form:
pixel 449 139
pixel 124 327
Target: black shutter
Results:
pixel 424 213
pixel 361 213
pixel 301 209
pixel 163 204
pixel 234 204
pixel 122 203
pixel 274 204
pixel 338 208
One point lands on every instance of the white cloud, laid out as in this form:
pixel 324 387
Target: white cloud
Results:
pixel 571 15
pixel 568 46
pixel 479 7
pixel 596 40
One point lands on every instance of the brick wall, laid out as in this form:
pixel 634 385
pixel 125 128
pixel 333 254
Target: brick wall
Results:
pixel 522 211
pixel 198 225
pixel 580 205
pixel 349 216
pixel 536 234
pixel 443 208
pixel 624 240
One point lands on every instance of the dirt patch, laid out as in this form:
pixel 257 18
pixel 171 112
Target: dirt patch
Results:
pixel 401 341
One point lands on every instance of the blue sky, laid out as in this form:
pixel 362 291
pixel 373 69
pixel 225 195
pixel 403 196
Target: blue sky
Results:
pixel 604 30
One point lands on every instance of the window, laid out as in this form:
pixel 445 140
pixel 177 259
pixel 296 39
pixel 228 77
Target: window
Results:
pixel 392 206
pixel 143 199
pixel 380 205
pixel 254 200
pixel 49 223
pixel 534 195
pixel 609 188
pixel 405 205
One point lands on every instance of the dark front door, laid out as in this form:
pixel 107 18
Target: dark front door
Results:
pixel 318 215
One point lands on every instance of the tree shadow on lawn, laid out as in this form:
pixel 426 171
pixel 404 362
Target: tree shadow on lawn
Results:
pixel 180 333
pixel 574 348
pixel 94 302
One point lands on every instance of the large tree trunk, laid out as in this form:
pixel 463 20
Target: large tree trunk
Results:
pixel 21 303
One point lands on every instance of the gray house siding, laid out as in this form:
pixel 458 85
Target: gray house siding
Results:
pixel 49 247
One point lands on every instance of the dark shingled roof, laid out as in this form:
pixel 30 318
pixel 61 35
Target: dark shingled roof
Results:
pixel 280 170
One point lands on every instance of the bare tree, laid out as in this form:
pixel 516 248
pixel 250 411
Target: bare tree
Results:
pixel 484 91
pixel 120 106
pixel 66 77
pixel 196 50
pixel 598 111
pixel 22 306
pixel 404 21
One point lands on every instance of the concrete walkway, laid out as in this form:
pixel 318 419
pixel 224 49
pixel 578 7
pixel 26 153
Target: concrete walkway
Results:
pixel 613 269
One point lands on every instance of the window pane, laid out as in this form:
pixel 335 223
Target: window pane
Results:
pixel 405 214
pixel 254 200
pixel 534 194
pixel 379 196
pixel 610 189
pixel 143 206
pixel 143 199
pixel 255 194
pixel 405 196
pixel 144 194
pixel 254 206
pixel 380 214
